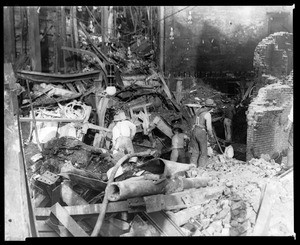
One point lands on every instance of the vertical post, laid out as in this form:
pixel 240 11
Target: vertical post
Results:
pixel 57 40
pixel 161 37
pixel 76 34
pixel 9 35
pixel 22 29
pixel 64 37
pixel 34 38
pixel 104 26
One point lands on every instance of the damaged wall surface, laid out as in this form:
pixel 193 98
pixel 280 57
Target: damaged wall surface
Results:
pixel 219 37
pixel 268 112
pixel 266 116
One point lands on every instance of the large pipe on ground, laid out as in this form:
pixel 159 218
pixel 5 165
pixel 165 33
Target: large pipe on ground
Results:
pixel 138 187
pixel 133 187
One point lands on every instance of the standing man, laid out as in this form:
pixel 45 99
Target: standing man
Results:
pixel 228 116
pixel 123 133
pixel 179 140
pixel 199 134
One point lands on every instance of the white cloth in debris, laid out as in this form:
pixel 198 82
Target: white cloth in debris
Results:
pixel 291 115
pixel 123 128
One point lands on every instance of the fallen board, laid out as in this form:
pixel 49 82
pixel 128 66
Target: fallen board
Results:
pixel 63 216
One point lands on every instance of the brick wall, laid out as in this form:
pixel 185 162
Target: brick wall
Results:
pixel 267 116
pixel 274 55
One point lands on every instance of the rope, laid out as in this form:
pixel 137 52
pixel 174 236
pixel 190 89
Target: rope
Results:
pixel 71 113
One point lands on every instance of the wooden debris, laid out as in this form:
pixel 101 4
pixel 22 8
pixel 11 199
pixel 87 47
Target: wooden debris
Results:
pixel 63 216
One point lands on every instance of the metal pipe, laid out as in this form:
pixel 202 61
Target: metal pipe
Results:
pixel 101 216
pixel 133 187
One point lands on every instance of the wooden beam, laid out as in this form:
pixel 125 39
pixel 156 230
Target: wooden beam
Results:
pixel 34 38
pixel 64 37
pixel 67 221
pixel 161 37
pixel 75 34
pixel 85 209
pixel 9 35
pixel 19 218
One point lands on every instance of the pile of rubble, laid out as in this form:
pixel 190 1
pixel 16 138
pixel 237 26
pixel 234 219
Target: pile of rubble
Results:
pixel 153 197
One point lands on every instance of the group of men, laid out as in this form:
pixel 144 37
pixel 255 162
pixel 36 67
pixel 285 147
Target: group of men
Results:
pixel 123 132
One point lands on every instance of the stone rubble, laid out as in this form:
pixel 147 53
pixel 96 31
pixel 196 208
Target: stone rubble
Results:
pixel 234 212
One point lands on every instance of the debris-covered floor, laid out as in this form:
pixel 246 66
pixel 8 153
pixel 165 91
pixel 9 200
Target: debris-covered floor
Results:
pixel 231 194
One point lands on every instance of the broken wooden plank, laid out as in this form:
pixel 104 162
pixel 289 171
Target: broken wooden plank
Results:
pixel 63 217
pixel 57 78
pixel 71 87
pixel 80 87
pixel 86 209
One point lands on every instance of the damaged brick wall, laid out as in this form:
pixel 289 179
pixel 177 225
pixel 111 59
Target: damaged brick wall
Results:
pixel 267 116
pixel 274 54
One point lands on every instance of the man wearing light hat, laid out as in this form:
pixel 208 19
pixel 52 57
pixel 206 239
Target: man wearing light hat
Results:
pixel 199 134
pixel 123 133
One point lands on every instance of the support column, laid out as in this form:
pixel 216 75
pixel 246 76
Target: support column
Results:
pixel 9 35
pixel 104 26
pixel 161 37
pixel 34 38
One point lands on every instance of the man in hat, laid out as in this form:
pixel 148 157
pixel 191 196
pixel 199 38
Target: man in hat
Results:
pixel 123 133
pixel 201 127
